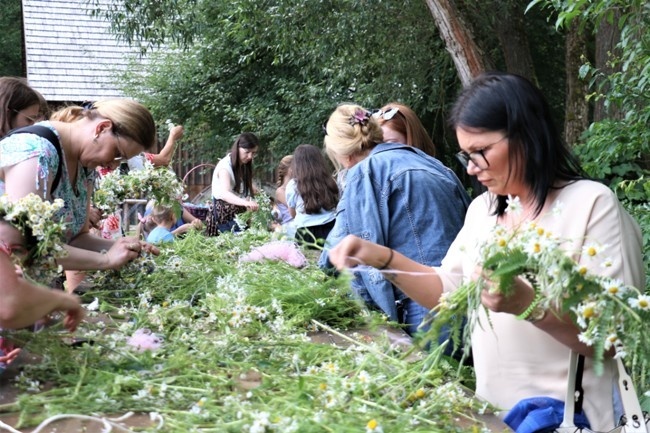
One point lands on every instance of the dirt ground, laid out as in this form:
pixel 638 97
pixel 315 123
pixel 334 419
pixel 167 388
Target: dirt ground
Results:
pixel 8 394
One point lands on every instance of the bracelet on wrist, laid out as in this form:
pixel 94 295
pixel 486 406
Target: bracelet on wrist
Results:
pixel 390 259
pixel 535 311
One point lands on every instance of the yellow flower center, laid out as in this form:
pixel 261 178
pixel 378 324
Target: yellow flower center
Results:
pixel 613 290
pixel 420 393
pixel 582 270
pixel 540 231
pixel 588 312
pixel 322 386
pixel 591 251
pixel 502 242
pixel 643 303
pixel 372 424
pixel 537 248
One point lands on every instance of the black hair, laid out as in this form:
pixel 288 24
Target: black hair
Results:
pixel 243 172
pixel 497 101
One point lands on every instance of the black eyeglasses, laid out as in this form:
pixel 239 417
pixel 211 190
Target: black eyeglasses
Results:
pixel 478 156
pixel 386 115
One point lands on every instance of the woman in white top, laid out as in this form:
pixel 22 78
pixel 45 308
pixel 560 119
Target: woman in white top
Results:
pixel 507 139
pixel 232 185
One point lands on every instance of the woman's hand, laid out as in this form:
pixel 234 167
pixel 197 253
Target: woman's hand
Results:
pixel 252 205
pixel 126 249
pixel 353 251
pixel 9 357
pixel 521 297
pixel 197 224
pixel 94 217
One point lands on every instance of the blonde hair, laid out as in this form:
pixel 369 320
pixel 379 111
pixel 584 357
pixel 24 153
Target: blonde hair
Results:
pixel 130 118
pixel 162 214
pixel 345 136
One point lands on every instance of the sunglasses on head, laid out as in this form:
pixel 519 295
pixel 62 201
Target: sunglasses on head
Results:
pixel 387 114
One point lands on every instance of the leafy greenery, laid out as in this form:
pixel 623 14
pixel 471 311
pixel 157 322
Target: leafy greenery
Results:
pixel 618 148
pixel 11 41
pixel 235 349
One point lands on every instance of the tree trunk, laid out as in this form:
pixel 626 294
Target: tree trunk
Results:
pixel 458 39
pixel 607 36
pixel 513 39
pixel 576 118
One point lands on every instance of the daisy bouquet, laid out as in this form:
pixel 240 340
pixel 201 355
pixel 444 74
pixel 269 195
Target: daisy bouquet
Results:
pixel 36 220
pixel 158 183
pixel 608 313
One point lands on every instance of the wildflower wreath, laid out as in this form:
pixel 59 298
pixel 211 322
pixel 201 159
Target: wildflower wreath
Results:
pixel 158 183
pixel 44 236
pixel 608 312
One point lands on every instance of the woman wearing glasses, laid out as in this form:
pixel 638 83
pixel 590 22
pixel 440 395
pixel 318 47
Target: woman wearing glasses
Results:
pixel 103 134
pixel 20 105
pixel 508 141
pixel 396 196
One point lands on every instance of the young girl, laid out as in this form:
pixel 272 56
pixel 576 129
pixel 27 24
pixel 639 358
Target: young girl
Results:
pixel 283 218
pixel 232 185
pixel 312 194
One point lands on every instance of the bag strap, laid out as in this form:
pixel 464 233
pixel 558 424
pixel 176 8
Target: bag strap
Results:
pixel 574 392
pixel 49 135
pixel 634 418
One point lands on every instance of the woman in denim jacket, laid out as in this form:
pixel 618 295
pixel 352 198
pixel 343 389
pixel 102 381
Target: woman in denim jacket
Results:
pixel 395 195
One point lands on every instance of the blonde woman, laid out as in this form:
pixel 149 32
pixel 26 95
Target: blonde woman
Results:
pixel 395 195
pixel 102 134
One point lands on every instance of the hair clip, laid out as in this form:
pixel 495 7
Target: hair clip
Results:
pixel 360 117
pixel 88 105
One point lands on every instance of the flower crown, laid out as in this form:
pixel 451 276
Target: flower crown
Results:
pixel 37 221
pixel 158 183
pixel 360 117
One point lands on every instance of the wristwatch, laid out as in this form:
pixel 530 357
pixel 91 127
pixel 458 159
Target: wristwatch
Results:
pixel 537 314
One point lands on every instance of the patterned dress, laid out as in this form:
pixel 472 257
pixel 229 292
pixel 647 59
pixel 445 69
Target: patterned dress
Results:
pixel 22 147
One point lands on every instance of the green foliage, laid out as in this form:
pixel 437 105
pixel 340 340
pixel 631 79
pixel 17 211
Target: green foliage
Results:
pixel 280 68
pixel 11 41
pixel 618 149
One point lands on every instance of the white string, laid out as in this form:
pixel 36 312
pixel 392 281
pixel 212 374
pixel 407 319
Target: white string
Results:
pixel 108 425
pixel 362 267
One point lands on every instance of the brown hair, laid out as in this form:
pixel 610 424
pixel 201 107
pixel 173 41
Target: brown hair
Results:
pixel 283 170
pixel 15 95
pixel 314 180
pixel 407 123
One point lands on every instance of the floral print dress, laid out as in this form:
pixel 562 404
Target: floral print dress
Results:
pixel 22 147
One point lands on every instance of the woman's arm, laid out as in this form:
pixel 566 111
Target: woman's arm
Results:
pixel 419 282
pixel 23 303
pixel 228 196
pixel 163 158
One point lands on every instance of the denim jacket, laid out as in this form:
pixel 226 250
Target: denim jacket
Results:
pixel 406 200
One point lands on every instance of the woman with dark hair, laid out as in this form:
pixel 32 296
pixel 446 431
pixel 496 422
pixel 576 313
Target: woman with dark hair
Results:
pixel 395 195
pixel 311 195
pixel 232 185
pixel 508 141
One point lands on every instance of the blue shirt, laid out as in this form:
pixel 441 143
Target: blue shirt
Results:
pixel 303 219
pixel 406 200
pixel 160 234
